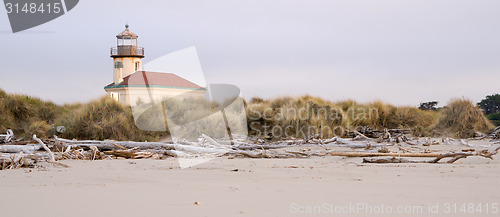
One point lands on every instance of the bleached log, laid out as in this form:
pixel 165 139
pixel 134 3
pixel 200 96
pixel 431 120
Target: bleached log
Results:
pixel 360 145
pixel 377 154
pixel 252 154
pixel 411 143
pixel 212 141
pixel 257 146
pixel 263 154
pixel 7 137
pixel 110 145
pixel 35 156
pixel 200 150
pixel 15 162
pixel 454 157
pixel 459 155
pixel 19 148
pixel 52 158
pixel 391 160
pixel 465 142
pixel 341 141
pixel 348 143
pixel 361 135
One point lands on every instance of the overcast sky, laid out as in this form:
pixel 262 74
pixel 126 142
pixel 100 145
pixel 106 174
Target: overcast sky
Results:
pixel 398 51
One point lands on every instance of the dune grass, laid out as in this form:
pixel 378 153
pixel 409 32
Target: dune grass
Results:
pixel 312 116
pixel 26 114
pixel 103 119
pixel 271 118
pixel 461 119
pixel 282 117
pixel 100 119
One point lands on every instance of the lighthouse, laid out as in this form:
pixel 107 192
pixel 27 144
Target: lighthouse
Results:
pixel 132 85
pixel 127 56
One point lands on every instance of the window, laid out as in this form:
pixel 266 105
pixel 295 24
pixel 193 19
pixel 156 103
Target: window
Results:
pixel 118 65
pixel 137 66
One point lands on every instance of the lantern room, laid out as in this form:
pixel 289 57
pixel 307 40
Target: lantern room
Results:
pixel 127 45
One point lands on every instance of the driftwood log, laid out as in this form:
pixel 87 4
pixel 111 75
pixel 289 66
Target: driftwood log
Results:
pixel 377 154
pixel 52 158
pixel 454 157
pixel 19 148
pixel 111 145
pixel 8 137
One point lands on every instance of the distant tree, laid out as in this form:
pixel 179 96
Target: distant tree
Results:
pixel 491 104
pixel 494 118
pixel 428 105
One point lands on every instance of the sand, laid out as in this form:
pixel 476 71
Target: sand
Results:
pixel 318 186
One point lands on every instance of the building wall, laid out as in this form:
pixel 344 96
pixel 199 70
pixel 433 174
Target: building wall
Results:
pixel 135 95
pixel 128 67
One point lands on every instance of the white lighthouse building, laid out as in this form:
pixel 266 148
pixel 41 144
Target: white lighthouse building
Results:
pixel 131 85
pixel 127 57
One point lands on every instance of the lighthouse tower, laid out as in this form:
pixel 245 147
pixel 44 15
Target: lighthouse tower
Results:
pixel 127 57
pixel 132 85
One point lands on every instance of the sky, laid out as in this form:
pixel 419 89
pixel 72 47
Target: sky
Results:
pixel 399 51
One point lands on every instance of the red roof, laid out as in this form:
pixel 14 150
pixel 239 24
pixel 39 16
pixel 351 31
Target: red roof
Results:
pixel 143 78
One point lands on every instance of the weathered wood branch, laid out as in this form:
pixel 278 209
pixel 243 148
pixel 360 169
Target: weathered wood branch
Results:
pixel 19 148
pixel 110 145
pixel 52 158
pixel 377 154
pixel 454 157
pixel 392 160
pixel 362 136
pixel 5 138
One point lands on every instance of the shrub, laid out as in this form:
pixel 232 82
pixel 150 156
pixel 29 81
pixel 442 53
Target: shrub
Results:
pixel 20 112
pixel 104 119
pixel 40 128
pixel 300 117
pixel 461 118
pixel 494 118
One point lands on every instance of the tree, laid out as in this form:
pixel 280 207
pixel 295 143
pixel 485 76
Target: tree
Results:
pixel 428 105
pixel 491 104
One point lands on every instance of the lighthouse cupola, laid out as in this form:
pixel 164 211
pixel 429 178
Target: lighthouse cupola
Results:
pixel 127 56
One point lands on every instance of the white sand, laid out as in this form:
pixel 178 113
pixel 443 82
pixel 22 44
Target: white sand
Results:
pixel 261 187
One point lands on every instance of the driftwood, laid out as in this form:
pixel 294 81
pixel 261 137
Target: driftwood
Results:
pixel 110 145
pixel 377 154
pixel 336 141
pixel 365 146
pixel 19 148
pixel 257 146
pixel 18 160
pixel 8 137
pixel 207 146
pixel 454 157
pixel 52 158
pixel 240 147
pixel 391 160
pixel 265 154
pixel 13 162
pixel 378 133
pixel 129 154
pixel 361 136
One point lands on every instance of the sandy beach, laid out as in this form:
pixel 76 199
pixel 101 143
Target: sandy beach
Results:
pixel 317 186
